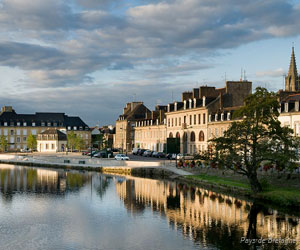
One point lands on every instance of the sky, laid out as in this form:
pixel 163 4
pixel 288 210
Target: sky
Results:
pixel 88 58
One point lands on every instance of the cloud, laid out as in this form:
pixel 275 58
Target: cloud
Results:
pixel 271 73
pixel 79 43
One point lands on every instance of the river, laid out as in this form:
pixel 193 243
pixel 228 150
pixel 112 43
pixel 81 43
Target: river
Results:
pixel 57 209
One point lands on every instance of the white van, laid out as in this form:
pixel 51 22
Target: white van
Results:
pixel 135 150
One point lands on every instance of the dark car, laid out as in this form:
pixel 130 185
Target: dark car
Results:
pixel 160 155
pixel 141 152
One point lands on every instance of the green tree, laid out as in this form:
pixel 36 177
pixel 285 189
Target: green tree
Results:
pixel 31 142
pixel 3 143
pixel 256 138
pixel 80 143
pixel 71 140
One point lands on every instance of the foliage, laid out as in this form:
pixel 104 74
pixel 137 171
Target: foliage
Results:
pixel 31 142
pixel 100 141
pixel 71 140
pixel 257 137
pixel 80 143
pixel 3 143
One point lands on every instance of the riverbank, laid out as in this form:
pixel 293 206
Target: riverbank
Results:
pixel 278 196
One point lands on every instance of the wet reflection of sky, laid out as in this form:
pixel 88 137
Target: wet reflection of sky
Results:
pixel 46 209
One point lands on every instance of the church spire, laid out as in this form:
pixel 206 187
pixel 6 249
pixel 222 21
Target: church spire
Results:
pixel 292 79
pixel 293 66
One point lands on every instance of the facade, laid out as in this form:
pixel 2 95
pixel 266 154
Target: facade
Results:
pixel 16 127
pixel 51 141
pixel 202 114
pixel 124 137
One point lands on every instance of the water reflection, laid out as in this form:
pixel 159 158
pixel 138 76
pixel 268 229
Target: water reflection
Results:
pixel 15 180
pixel 204 218
pixel 209 218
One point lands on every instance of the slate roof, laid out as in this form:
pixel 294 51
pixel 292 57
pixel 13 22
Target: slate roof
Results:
pixel 48 119
pixel 51 131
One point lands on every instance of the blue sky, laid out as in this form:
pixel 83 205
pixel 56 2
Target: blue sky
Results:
pixel 90 57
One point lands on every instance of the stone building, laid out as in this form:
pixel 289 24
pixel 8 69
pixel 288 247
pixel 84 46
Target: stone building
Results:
pixel 150 133
pixel 16 127
pixel 201 115
pixel 124 137
pixel 292 80
pixel 51 141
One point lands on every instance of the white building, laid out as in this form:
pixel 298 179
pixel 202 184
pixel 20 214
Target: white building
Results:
pixel 51 141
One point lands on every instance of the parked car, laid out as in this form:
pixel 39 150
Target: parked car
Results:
pixel 121 157
pixel 154 154
pixel 85 152
pixel 135 151
pixel 179 156
pixel 160 155
pixel 141 151
pixel 147 153
pixel 26 150
pixel 171 156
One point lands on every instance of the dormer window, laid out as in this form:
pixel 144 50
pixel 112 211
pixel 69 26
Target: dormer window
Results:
pixel 33 124
pixel 5 124
pixel 24 124
pixel 75 128
pixel 18 124
pixel 286 107
pixel 69 128
pixel 43 124
pixel 80 128
pixel 55 124
pixel 228 116
pixel 49 124
pixel 209 118
pixel 222 117
pixel 216 117
pixel 11 123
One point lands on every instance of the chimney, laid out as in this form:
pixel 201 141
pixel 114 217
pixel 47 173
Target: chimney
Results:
pixel 195 103
pixel 221 100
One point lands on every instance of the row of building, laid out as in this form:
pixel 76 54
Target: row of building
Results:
pixel 202 114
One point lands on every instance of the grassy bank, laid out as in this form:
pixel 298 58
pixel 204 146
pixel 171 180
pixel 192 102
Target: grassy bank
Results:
pixel 287 197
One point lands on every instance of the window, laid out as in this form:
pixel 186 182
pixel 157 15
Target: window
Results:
pixel 18 139
pixel 11 123
pixel 80 128
pixel 24 124
pixel 172 122
pixel 5 132
pixel 42 124
pixel 192 136
pixel 5 123
pixel 47 146
pixel 18 124
pixel 199 119
pixel 190 120
pixel 171 135
pixel 24 138
pixel 216 132
pixel 169 122
pixel 24 131
pixel 184 119
pixel 33 132
pixel 195 119
pixel 203 118
pixel 55 124
pixel 33 124
pixel 179 121
pixel 49 124
pixel 12 132
pixel 201 136
pixel 176 121
pixel 87 136
pixel 75 128
pixel 69 128
pixel 52 146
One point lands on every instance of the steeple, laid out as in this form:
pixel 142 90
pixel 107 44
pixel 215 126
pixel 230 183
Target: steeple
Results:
pixel 292 79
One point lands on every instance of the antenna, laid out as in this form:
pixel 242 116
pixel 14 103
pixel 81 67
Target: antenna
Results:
pixel 241 74
pixel 245 79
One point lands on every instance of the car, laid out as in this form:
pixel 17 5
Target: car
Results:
pixel 179 156
pixel 85 152
pixel 154 154
pixel 147 153
pixel 171 156
pixel 26 150
pixel 121 157
pixel 135 151
pixel 160 155
pixel 141 151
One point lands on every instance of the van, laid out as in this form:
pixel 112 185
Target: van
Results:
pixel 135 151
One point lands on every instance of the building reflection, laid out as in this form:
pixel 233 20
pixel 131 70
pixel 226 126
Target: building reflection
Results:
pixel 207 217
pixel 14 179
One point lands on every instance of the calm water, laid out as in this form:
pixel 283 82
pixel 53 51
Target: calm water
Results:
pixel 47 209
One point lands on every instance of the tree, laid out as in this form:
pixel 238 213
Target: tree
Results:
pixel 71 140
pixel 80 143
pixel 256 138
pixel 3 143
pixel 31 142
